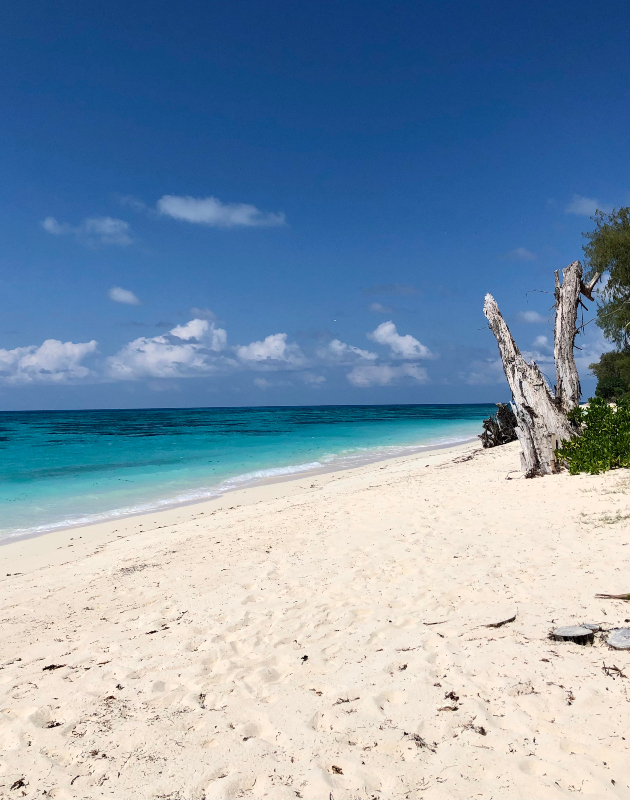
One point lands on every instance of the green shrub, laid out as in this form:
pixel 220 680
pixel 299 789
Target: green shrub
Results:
pixel 604 440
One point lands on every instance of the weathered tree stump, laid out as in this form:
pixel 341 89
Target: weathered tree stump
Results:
pixel 619 639
pixel 574 633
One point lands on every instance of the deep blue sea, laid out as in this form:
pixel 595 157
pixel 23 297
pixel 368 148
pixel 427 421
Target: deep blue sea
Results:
pixel 64 468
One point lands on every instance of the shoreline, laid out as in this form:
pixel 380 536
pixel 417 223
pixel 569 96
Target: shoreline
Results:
pixel 43 550
pixel 375 632
pixel 167 504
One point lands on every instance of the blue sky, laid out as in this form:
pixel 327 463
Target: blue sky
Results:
pixel 258 203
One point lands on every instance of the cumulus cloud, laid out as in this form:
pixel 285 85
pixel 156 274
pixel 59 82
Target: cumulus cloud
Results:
pixel 273 348
pixel 166 357
pixel 157 357
pixel 385 375
pixel 379 308
pixel 202 330
pixel 93 230
pixel 343 353
pixel 119 295
pixel 195 329
pixel 521 254
pixel 401 346
pixel 531 317
pixel 586 206
pixel 211 211
pixel 51 362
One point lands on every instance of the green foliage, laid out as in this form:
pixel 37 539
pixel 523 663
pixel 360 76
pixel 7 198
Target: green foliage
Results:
pixel 604 440
pixel 613 375
pixel 608 250
pixel 611 388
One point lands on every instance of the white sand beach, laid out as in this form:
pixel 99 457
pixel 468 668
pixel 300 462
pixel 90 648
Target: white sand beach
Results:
pixel 326 637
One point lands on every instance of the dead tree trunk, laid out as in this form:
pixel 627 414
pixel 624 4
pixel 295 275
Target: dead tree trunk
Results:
pixel 568 390
pixel 541 415
pixel 536 412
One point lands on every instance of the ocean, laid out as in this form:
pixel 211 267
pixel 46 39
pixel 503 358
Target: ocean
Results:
pixel 64 468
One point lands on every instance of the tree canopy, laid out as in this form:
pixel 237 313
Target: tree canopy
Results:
pixel 613 375
pixel 608 250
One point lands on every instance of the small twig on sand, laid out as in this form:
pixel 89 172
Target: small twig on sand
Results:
pixel 613 672
pixel 614 596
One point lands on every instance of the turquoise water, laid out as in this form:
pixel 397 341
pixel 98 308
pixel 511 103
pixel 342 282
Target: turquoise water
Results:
pixel 63 468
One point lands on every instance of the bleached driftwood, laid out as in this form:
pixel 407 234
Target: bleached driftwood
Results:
pixel 536 412
pixel 568 390
pixel 541 415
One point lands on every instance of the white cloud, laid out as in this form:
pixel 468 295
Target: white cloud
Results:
pixel 273 348
pixel 162 357
pixel 157 357
pixel 119 295
pixel 379 308
pixel 51 362
pixel 342 353
pixel 202 330
pixel 211 211
pixel 590 352
pixel 531 317
pixel 485 372
pixel 195 329
pixel 490 371
pixel 108 230
pixel 542 353
pixel 311 379
pixel 586 206
pixel 401 346
pixel 385 375
pixel 521 254
pixel 218 338
pixel 93 230
pixel 51 225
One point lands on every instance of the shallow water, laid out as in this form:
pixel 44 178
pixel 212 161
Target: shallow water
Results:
pixel 62 468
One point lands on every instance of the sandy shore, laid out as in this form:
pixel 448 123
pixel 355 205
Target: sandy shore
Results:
pixel 325 638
